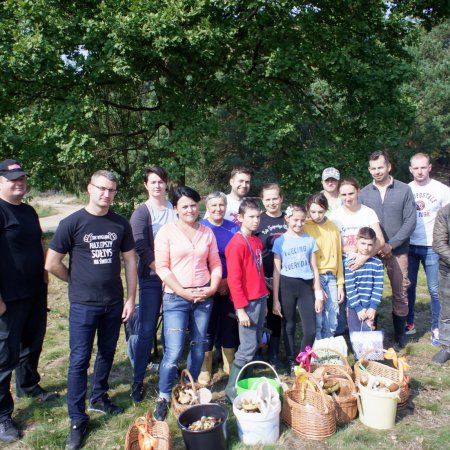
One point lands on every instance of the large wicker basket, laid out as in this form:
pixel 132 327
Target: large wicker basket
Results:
pixel 332 368
pixel 345 401
pixel 312 417
pixel 159 430
pixel 177 407
pixel 382 370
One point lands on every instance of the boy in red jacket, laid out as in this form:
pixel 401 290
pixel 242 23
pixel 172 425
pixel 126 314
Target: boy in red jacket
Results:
pixel 247 288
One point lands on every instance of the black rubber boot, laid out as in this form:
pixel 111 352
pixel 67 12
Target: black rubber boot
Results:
pixel 274 349
pixel 399 330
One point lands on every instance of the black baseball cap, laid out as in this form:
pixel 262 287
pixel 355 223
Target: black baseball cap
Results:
pixel 11 169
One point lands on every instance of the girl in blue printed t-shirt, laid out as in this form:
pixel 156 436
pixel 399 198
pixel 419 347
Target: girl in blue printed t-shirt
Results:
pixel 297 280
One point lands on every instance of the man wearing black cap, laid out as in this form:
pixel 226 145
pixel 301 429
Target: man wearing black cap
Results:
pixel 23 296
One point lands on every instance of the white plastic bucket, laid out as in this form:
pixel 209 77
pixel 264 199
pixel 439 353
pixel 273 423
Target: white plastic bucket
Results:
pixel 257 428
pixel 377 409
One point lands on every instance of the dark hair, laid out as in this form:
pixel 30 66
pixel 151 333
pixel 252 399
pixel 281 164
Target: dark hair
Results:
pixel 319 199
pixel 349 181
pixel 269 186
pixel 185 191
pixel 366 233
pixel 159 171
pixel 247 204
pixel 237 170
pixel 375 155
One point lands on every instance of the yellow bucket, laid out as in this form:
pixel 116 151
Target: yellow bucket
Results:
pixel 377 409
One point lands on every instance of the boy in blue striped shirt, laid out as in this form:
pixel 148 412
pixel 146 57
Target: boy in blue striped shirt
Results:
pixel 364 286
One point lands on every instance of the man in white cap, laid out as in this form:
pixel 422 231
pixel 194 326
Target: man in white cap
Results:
pixel 330 183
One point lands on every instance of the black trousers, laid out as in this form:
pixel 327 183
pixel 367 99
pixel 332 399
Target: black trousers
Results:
pixel 297 294
pixel 22 332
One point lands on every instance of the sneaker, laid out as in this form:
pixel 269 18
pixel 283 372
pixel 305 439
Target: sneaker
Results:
pixel 410 329
pixel 137 392
pixel 76 436
pixel 8 432
pixel 435 337
pixel 441 357
pixel 291 368
pixel 161 408
pixel 40 394
pixel 105 406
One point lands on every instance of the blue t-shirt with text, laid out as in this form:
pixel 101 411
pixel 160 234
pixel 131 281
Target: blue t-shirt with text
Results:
pixel 295 253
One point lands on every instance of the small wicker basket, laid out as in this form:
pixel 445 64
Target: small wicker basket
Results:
pixel 346 401
pixel 312 417
pixel 159 430
pixel 176 406
pixel 332 368
pixel 382 370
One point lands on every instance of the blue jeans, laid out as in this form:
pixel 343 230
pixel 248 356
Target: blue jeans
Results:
pixel 179 315
pixel 326 321
pixel 84 322
pixel 150 297
pixel 430 262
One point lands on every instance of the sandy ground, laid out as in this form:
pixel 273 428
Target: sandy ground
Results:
pixel 64 205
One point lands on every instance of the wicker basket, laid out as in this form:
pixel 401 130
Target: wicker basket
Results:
pixel 335 369
pixel 314 416
pixel 177 407
pixel 382 370
pixel 345 402
pixel 159 430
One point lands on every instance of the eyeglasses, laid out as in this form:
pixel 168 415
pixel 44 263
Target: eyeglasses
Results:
pixel 104 189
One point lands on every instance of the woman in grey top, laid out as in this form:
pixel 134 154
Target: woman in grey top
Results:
pixel 146 221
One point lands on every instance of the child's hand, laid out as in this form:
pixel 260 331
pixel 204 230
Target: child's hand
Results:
pixel 371 313
pixel 243 318
pixel 318 306
pixel 276 309
pixel 362 315
pixel 341 295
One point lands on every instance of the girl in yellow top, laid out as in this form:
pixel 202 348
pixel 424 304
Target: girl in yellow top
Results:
pixel 329 263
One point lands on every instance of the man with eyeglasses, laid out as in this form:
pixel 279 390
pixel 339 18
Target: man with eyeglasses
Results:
pixel 23 296
pixel 95 238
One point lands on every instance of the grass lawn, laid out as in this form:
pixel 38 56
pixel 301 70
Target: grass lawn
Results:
pixel 424 424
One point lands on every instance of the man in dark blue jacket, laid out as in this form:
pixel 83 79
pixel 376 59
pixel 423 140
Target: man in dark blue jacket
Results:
pixel 393 201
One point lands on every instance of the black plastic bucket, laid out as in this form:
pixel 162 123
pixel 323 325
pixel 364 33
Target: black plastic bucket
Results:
pixel 214 438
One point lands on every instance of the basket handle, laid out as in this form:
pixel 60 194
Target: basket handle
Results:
pixel 342 372
pixel 184 373
pixel 319 389
pixel 252 363
pixel 329 349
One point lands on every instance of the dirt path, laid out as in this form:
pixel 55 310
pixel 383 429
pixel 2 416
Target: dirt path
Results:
pixel 64 205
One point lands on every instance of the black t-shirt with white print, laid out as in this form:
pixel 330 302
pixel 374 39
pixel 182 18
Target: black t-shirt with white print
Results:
pixel 94 244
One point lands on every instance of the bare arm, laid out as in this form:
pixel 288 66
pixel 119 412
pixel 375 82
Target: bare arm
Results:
pixel 129 260
pixel 317 287
pixel 54 264
pixel 276 285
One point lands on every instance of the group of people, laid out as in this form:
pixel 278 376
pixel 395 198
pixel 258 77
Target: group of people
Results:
pixel 218 280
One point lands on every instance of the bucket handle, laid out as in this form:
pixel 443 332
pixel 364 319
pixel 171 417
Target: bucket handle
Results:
pixel 359 402
pixel 252 363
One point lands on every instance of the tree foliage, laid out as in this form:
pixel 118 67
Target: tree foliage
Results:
pixel 287 87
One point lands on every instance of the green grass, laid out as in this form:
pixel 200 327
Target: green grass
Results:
pixel 44 210
pixel 422 425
